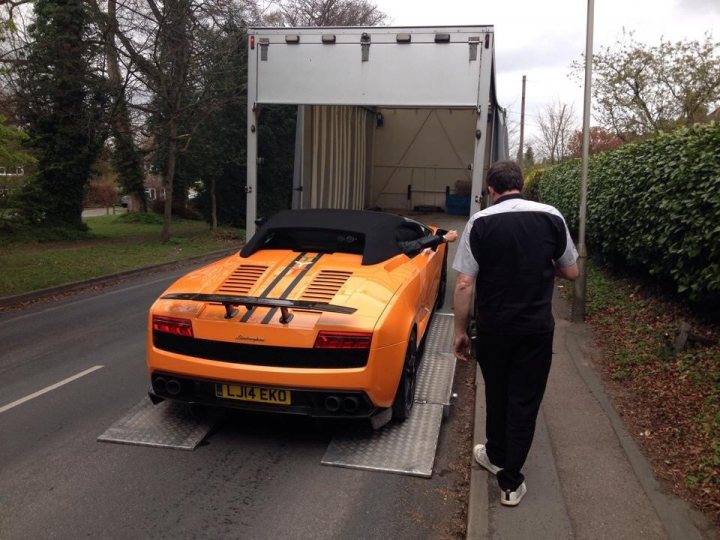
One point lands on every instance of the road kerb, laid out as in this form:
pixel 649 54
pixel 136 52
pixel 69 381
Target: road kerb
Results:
pixel 478 502
pixel 22 298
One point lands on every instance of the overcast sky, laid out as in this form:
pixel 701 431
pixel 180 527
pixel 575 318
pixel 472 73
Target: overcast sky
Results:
pixel 541 39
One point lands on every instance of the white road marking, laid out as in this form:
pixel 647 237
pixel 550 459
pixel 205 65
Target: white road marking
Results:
pixel 48 389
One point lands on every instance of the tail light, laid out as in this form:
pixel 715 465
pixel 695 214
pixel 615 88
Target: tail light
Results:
pixel 343 340
pixel 172 325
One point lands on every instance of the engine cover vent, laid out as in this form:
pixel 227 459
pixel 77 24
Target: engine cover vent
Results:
pixel 242 280
pixel 325 285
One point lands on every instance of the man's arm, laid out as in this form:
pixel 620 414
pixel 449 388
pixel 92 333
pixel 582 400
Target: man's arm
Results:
pixel 566 262
pixel 431 241
pixel 568 272
pixel 462 300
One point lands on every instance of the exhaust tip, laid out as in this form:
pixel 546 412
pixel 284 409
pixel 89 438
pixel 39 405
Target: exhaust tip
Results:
pixel 173 387
pixel 332 403
pixel 160 385
pixel 351 405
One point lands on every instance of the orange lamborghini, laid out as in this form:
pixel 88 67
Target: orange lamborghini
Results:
pixel 321 313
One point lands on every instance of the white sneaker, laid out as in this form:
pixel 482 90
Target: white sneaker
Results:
pixel 480 455
pixel 513 498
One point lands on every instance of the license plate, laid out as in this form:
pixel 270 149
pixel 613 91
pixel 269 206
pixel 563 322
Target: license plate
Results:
pixel 258 394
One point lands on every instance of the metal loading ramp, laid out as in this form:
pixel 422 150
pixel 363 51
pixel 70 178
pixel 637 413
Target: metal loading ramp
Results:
pixel 409 447
pixel 165 425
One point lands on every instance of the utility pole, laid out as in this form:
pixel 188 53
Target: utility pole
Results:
pixel 522 127
pixel 578 307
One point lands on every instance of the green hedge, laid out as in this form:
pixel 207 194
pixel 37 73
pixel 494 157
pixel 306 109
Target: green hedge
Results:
pixel 654 205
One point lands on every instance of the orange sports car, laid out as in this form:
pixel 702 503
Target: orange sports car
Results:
pixel 322 313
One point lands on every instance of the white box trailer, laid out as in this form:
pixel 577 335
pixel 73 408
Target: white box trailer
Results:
pixel 387 117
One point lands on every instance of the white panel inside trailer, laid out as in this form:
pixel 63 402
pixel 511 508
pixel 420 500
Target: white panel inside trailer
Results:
pixel 421 73
pixel 429 149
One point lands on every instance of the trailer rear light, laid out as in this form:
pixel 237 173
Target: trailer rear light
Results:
pixel 252 42
pixel 343 340
pixel 292 38
pixel 172 325
pixel 328 38
pixel 403 38
pixel 442 38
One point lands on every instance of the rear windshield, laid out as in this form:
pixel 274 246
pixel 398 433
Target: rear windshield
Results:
pixel 315 241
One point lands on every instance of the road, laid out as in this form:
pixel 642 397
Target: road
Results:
pixel 257 476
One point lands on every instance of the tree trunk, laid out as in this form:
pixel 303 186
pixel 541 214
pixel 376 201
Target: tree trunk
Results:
pixel 213 204
pixel 131 171
pixel 169 179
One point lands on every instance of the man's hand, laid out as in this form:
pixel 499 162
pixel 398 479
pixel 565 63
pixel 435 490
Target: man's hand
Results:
pixel 461 347
pixel 450 236
pixel 462 299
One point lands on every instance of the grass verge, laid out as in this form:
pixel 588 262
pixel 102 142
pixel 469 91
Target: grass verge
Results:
pixel 114 244
pixel 670 400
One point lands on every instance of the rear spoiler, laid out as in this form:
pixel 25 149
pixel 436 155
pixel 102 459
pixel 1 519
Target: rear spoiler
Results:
pixel 230 302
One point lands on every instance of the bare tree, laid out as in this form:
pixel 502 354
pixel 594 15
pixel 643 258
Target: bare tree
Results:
pixel 127 157
pixel 641 90
pixel 556 130
pixel 14 20
pixel 513 131
pixel 160 43
pixel 326 13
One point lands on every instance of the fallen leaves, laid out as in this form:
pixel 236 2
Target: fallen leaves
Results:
pixel 671 402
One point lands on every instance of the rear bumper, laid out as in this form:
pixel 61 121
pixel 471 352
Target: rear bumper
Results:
pixel 319 403
pixel 377 380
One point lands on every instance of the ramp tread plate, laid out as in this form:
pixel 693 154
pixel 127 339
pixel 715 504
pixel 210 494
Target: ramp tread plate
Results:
pixel 440 333
pixel 435 378
pixel 165 425
pixel 405 448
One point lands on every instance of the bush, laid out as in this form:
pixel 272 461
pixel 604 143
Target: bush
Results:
pixel 158 207
pixel 101 193
pixel 145 218
pixel 653 205
pixel 531 184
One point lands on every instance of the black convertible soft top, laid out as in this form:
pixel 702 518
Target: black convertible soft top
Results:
pixel 378 229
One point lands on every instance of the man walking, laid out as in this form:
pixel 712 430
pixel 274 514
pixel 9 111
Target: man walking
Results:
pixel 510 253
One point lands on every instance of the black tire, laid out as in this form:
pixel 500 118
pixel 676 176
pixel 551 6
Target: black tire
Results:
pixel 440 300
pixel 405 395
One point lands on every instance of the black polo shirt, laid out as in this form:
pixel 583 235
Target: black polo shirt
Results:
pixel 513 245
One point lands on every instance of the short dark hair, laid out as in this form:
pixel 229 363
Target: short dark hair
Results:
pixel 505 175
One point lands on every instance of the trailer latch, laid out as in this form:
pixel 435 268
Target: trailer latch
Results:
pixel 473 42
pixel 365 46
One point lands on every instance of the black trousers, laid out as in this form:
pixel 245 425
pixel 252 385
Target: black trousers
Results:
pixel 515 370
